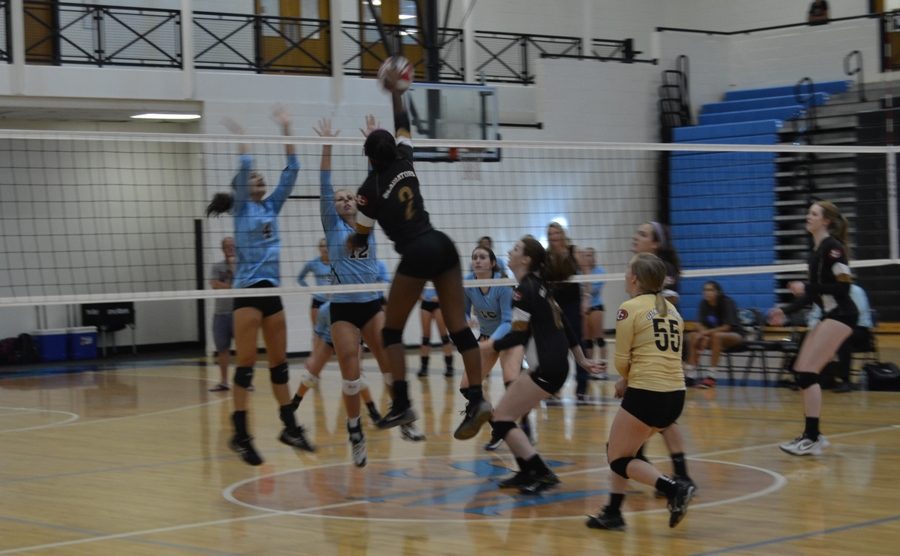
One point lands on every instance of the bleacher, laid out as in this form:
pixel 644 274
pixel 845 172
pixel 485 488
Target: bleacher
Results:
pixel 722 205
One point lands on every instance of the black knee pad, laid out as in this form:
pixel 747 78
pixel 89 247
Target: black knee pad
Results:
pixel 464 340
pixel 601 342
pixel 426 341
pixel 445 340
pixel 279 373
pixel 502 428
pixel 620 466
pixel 391 336
pixel 805 380
pixel 243 376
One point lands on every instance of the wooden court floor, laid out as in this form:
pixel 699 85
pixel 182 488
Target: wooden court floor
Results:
pixel 133 460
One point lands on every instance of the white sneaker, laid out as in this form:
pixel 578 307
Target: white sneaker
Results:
pixel 802 446
pixel 411 433
pixel 358 447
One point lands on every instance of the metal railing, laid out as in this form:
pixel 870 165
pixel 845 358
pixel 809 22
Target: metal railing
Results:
pixel 262 43
pixel 511 57
pixel 363 43
pixel 103 35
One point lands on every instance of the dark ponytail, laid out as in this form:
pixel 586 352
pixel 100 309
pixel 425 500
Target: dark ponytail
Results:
pixel 220 204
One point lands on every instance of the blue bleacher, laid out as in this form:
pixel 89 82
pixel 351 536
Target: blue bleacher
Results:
pixel 736 129
pixel 831 87
pixel 818 99
pixel 779 113
pixel 718 160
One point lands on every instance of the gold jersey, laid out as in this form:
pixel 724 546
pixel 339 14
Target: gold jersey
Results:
pixel 648 345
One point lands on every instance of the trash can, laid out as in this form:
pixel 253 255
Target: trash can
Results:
pixel 82 342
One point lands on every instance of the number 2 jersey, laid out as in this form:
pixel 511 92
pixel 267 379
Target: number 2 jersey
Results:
pixel 391 197
pixel 648 345
pixel 829 282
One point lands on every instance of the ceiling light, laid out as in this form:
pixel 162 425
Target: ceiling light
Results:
pixel 162 116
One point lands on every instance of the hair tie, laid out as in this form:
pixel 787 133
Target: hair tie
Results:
pixel 660 233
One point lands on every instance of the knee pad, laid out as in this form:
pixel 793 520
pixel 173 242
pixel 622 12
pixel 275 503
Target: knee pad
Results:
pixel 601 342
pixel 445 340
pixel 464 340
pixel 426 341
pixel 243 376
pixel 308 379
pixel 391 336
pixel 805 380
pixel 620 466
pixel 388 379
pixel 351 387
pixel 279 373
pixel 502 428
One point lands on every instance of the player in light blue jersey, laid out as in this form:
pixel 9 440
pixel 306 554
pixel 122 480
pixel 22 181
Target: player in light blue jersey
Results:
pixel 593 308
pixel 493 309
pixel 320 268
pixel 258 245
pixel 319 356
pixel 430 312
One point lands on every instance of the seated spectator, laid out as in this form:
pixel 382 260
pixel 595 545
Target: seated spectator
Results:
pixel 859 340
pixel 719 328
pixel 818 13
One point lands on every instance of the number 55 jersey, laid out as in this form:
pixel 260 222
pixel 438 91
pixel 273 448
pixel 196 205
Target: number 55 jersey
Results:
pixel 648 345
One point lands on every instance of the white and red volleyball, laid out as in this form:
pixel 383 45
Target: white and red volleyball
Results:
pixel 395 74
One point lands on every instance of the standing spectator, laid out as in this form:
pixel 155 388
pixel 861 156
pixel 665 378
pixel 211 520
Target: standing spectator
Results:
pixel 220 277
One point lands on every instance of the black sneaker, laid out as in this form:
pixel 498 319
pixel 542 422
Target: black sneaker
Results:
pixel 296 439
pixel 493 444
pixel 449 372
pixel 660 494
pixel 540 483
pixel 520 479
pixel 678 504
pixel 374 415
pixel 476 414
pixel 396 417
pixel 423 372
pixel 244 448
pixel 606 520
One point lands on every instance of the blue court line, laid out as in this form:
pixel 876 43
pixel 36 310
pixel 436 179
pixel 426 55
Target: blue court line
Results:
pixel 780 540
pixel 99 533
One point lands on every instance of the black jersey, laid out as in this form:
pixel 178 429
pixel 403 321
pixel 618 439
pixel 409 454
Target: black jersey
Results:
pixel 829 280
pixel 391 197
pixel 536 316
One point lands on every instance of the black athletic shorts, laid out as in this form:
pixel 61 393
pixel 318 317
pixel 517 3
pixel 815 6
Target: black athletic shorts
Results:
pixel 596 308
pixel 357 314
pixel 316 303
pixel 428 255
pixel 550 378
pixel 430 306
pixel 654 409
pixel 850 319
pixel 268 306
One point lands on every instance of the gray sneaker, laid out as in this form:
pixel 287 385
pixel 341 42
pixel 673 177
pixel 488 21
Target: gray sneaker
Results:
pixel 476 414
pixel 411 433
pixel 803 446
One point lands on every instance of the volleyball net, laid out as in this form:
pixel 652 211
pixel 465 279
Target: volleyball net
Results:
pixel 93 217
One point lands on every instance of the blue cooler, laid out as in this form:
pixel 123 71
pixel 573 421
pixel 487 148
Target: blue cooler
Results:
pixel 51 344
pixel 82 342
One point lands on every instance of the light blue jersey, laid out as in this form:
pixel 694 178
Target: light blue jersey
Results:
pixel 256 226
pixel 357 267
pixel 429 294
pixel 322 328
pixel 597 288
pixel 322 273
pixel 492 309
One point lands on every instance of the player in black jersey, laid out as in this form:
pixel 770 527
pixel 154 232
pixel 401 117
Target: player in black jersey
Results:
pixel 829 288
pixel 538 318
pixel 390 195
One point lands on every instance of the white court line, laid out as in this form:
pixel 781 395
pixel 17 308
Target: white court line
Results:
pixel 31 411
pixel 273 513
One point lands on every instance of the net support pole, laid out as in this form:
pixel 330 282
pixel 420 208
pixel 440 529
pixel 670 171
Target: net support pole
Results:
pixel 894 236
pixel 17 32
pixel 187 48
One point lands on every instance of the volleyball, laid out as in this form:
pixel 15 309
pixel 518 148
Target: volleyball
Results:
pixel 395 74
